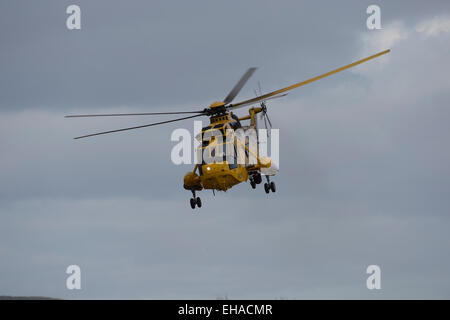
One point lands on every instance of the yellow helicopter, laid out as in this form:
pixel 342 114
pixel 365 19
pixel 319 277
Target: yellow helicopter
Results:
pixel 224 171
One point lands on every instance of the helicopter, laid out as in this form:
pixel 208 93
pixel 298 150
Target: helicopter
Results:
pixel 224 171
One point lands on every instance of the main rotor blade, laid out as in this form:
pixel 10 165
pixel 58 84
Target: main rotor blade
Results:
pixel 270 94
pixel 233 93
pixel 130 114
pixel 258 99
pixel 138 127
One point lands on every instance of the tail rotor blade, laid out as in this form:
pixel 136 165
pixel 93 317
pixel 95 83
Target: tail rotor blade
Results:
pixel 265 125
pixel 268 119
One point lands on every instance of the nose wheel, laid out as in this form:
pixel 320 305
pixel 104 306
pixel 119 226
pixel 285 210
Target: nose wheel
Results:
pixel 255 179
pixel 195 201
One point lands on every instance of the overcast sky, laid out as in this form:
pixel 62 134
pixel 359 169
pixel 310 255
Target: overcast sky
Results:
pixel 364 155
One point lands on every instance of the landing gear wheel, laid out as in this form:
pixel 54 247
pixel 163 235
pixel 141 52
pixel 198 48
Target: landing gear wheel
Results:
pixel 272 186
pixel 192 203
pixel 266 187
pixel 199 202
pixel 258 178
pixel 253 184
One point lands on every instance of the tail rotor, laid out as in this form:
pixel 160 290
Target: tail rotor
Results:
pixel 264 115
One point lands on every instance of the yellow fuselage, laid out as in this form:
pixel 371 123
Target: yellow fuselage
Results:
pixel 221 175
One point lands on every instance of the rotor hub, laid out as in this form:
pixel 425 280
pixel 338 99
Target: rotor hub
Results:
pixel 216 104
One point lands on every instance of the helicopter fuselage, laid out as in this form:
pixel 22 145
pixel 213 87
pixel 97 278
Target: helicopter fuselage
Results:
pixel 226 172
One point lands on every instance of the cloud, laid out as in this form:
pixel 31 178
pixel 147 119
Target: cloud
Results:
pixel 385 38
pixel 375 41
pixel 433 27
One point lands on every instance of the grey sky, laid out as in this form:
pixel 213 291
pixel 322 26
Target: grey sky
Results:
pixel 364 154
